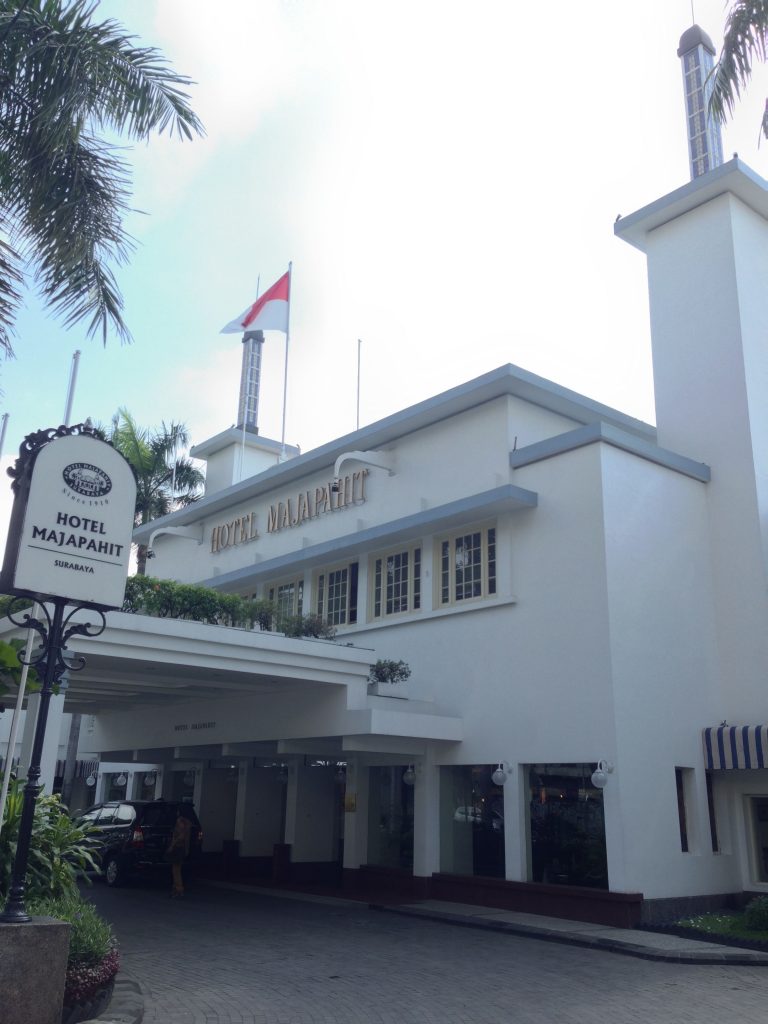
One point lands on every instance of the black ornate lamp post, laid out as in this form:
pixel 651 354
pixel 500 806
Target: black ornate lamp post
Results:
pixel 49 660
pixel 68 545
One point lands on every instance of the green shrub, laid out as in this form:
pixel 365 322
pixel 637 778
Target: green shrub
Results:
pixel 93 959
pixel 305 625
pixel 91 936
pixel 387 671
pixel 59 853
pixel 147 595
pixel 756 914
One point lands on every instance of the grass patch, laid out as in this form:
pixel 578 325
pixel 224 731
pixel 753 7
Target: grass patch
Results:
pixel 729 924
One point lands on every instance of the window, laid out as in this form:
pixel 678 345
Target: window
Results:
pixel 566 826
pixel 287 597
pixel 759 807
pixel 471 821
pixel 396 580
pixel 337 595
pixel 712 815
pixel 681 813
pixel 467 566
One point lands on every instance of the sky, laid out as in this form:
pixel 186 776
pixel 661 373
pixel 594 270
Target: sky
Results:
pixel 444 177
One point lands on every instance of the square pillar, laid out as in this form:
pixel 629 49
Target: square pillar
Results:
pixel 426 820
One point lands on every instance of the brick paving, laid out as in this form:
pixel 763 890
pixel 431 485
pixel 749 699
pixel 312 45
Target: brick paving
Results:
pixel 223 957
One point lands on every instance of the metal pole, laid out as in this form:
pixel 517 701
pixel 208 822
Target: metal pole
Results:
pixel 3 430
pixel 71 389
pixel 359 344
pixel 15 911
pixel 287 342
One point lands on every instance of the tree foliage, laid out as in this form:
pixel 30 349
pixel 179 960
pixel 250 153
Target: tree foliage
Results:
pixel 165 480
pixel 59 851
pixel 745 40
pixel 66 81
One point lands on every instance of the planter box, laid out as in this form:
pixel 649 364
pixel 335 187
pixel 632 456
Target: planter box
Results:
pixel 398 690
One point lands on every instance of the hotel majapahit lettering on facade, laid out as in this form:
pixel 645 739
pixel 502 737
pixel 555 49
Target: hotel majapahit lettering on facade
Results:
pixel 331 497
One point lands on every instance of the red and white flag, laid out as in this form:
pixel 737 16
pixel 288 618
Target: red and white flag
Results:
pixel 268 313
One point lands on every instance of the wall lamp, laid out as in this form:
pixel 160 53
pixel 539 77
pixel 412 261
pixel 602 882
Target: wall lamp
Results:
pixel 601 773
pixel 409 775
pixel 499 775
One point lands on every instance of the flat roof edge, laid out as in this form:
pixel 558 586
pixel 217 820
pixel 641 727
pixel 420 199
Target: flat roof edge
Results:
pixel 734 177
pixel 608 434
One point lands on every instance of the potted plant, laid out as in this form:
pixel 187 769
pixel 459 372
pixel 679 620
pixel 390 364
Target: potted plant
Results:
pixel 386 673
pixel 93 958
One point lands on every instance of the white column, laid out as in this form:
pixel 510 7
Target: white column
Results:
pixel 240 803
pixel 426 820
pixel 51 742
pixel 101 785
pixel 291 801
pixel 516 823
pixel 355 821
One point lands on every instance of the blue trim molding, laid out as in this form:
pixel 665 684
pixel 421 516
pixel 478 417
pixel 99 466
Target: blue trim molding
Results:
pixel 608 434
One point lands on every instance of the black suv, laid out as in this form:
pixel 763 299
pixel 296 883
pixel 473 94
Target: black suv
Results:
pixel 130 837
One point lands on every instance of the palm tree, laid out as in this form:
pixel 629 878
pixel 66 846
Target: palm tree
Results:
pixel 165 481
pixel 745 40
pixel 65 81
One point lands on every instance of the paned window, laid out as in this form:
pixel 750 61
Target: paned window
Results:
pixel 337 595
pixel 287 597
pixel 397 583
pixel 467 566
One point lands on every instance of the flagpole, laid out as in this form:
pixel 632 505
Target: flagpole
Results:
pixel 359 344
pixel 285 374
pixel 71 388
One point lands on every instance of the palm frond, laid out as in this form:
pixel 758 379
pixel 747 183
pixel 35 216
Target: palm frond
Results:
pixel 745 40
pixel 64 79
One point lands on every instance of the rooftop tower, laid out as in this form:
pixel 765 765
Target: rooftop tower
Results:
pixel 705 148
pixel 250 382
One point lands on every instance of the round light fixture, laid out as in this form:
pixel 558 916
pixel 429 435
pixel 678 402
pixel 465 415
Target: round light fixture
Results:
pixel 121 779
pixel 601 773
pixel 91 780
pixel 409 775
pixel 499 776
pixel 149 779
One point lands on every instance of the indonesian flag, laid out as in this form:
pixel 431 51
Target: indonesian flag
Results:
pixel 269 313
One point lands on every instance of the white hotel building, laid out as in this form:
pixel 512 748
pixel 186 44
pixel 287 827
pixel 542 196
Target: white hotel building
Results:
pixel 569 586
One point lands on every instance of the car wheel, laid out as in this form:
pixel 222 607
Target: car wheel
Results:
pixel 114 874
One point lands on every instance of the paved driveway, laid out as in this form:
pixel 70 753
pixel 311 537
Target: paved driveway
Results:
pixel 223 957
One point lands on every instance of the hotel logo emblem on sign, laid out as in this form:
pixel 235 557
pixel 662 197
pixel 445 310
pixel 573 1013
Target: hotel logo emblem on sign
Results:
pixel 87 479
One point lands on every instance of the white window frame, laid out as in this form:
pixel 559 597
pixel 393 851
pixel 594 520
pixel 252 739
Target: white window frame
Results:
pixel 321 581
pixel 488 581
pixel 414 587
pixel 299 597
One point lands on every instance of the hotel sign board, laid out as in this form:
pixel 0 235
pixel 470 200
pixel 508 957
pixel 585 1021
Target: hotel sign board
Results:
pixel 72 520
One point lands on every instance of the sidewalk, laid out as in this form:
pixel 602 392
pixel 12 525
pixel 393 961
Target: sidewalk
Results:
pixel 628 941
pixel 127 1006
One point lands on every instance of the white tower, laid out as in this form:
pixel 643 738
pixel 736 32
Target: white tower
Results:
pixel 250 381
pixel 705 148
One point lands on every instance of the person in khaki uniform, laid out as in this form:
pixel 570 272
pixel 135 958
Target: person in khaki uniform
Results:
pixel 178 851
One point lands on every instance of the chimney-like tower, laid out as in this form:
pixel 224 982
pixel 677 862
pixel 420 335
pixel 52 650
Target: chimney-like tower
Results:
pixel 705 147
pixel 250 382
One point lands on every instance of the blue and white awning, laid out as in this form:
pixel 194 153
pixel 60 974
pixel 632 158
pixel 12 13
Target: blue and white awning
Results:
pixel 736 746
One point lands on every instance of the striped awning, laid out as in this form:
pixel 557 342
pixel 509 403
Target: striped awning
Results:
pixel 736 746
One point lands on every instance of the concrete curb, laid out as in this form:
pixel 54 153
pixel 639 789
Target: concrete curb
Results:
pixel 126 1005
pixel 715 955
